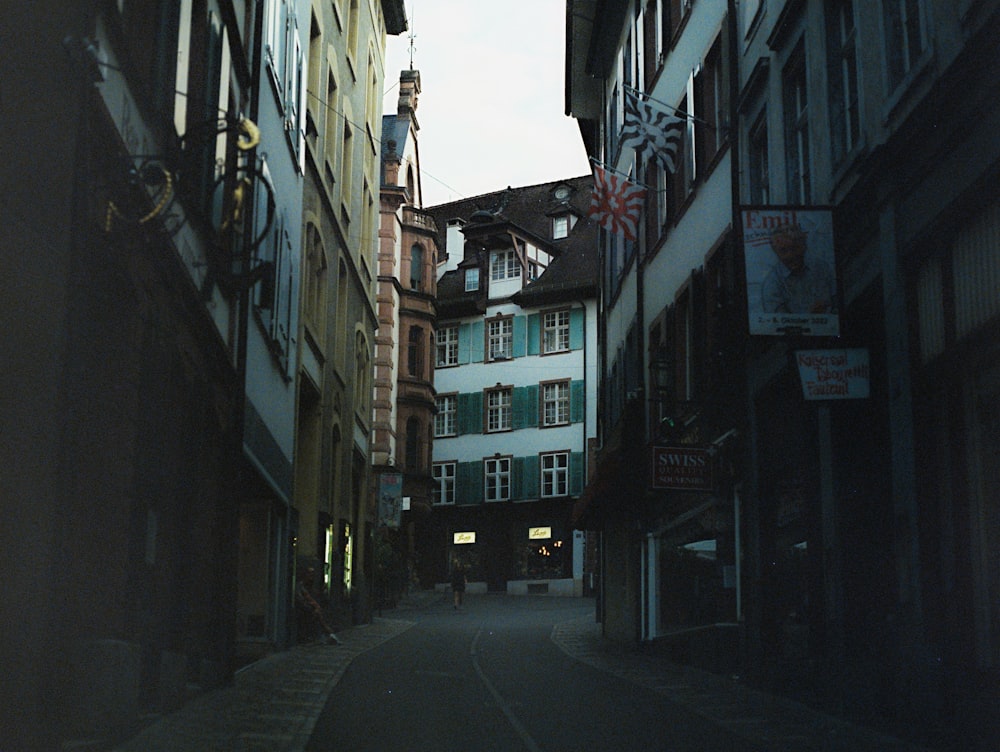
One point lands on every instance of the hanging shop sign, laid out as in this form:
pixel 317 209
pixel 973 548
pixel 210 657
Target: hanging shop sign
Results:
pixel 539 533
pixel 390 499
pixel 460 539
pixel 834 374
pixel 682 468
pixel 790 271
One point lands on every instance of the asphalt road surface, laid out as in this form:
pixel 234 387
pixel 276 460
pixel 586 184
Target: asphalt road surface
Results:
pixel 490 678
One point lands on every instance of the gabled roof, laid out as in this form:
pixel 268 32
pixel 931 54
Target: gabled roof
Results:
pixel 527 211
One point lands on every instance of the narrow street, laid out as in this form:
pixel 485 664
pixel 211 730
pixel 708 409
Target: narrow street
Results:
pixel 493 676
pixel 489 677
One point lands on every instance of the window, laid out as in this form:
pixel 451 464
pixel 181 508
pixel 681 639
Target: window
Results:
pixel 711 105
pixel 294 88
pixel 363 377
pixel 842 74
pixel 444 421
pixel 498 409
pixel 555 331
pixel 757 168
pixel 447 346
pixel 497 478
pixel 444 482
pixel 353 21
pixel 415 352
pixel 555 474
pixel 904 38
pixel 472 279
pixel 346 161
pixel 500 336
pixel 560 227
pixel 274 36
pixel 416 267
pixel 555 403
pixel 413 444
pixel 315 282
pixel 504 265
pixel 273 299
pixel 796 128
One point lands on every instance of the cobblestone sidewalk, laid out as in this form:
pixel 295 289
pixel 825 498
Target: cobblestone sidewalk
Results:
pixel 272 705
pixel 768 722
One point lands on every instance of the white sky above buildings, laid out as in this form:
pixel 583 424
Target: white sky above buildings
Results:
pixel 491 111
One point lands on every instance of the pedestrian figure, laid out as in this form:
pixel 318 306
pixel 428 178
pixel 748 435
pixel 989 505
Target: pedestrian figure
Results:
pixel 310 607
pixel 458 584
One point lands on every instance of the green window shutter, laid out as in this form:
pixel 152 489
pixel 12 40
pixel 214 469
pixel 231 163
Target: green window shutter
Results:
pixel 475 417
pixel 463 409
pixel 531 406
pixel 534 333
pixel 464 338
pixel 575 473
pixel 469 408
pixel 524 407
pixel 577 401
pixel 530 481
pixel 469 483
pixel 576 328
pixel 476 346
pixel 517 487
pixel 520 336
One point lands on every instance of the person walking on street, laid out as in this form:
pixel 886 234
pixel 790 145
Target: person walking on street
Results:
pixel 458 582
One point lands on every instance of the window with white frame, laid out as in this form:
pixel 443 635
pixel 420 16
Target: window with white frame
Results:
pixel 555 474
pixel 904 38
pixel 842 75
pixel 444 482
pixel 444 421
pixel 796 104
pixel 497 478
pixel 555 331
pixel 504 265
pixel 555 403
pixel 498 409
pixel 758 170
pixel 560 226
pixel 447 346
pixel 472 279
pixel 499 338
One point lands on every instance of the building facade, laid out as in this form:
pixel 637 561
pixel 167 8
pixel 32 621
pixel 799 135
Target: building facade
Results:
pixel 514 367
pixel 344 81
pixel 851 437
pixel 404 369
pixel 124 448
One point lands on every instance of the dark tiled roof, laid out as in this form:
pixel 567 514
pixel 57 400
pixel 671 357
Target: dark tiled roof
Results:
pixel 528 211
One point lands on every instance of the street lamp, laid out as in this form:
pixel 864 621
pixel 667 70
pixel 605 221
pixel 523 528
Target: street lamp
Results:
pixel 661 373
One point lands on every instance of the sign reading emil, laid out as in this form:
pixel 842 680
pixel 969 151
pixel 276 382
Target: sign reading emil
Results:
pixel 791 285
pixel 682 468
pixel 834 374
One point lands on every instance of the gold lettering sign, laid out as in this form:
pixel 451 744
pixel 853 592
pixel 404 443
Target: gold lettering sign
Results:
pixel 539 533
pixel 460 538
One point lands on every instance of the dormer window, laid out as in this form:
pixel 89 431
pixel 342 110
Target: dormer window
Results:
pixel 560 226
pixel 472 279
pixel 504 265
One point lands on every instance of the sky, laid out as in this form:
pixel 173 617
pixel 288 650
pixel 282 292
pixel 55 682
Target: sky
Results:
pixel 491 109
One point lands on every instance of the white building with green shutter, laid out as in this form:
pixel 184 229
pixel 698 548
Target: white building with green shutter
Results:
pixel 515 381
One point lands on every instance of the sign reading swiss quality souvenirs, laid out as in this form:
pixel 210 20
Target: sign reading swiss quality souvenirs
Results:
pixel 791 280
pixel 681 468
pixel 833 374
